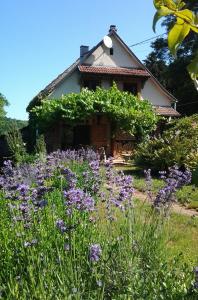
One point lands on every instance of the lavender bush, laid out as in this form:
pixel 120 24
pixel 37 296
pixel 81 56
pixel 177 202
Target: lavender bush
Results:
pixel 70 229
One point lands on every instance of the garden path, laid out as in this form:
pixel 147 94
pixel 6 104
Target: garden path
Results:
pixel 179 209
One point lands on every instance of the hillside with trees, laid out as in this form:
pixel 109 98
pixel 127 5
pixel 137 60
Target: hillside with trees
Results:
pixel 7 123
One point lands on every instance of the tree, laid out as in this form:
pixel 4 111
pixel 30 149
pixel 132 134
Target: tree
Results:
pixel 3 103
pixel 173 74
pixel 7 123
pixel 157 60
pixel 184 22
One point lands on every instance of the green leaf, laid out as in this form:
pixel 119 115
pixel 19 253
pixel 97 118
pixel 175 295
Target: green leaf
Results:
pixel 180 4
pixel 186 15
pixel 170 4
pixel 189 17
pixel 163 11
pixel 194 28
pixel 158 3
pixel 177 34
pixel 193 68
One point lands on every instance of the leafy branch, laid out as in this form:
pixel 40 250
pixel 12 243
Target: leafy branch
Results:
pixel 186 21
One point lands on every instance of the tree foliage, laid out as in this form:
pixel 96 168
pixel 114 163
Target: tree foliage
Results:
pixel 8 123
pixel 186 21
pixel 3 103
pixel 126 111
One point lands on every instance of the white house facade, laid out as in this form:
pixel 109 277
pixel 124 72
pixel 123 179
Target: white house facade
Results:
pixel 101 65
pixel 111 60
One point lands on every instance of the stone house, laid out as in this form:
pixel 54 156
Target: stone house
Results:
pixel 111 60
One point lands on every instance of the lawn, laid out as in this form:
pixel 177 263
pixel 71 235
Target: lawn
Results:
pixel 182 238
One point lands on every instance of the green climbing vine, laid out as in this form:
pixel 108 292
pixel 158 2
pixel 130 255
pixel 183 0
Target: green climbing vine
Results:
pixel 126 111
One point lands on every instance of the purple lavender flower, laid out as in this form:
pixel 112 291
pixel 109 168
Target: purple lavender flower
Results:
pixel 175 180
pixel 94 165
pixel 70 177
pixel 149 183
pixel 78 199
pixel 24 208
pixel 60 224
pixel 23 189
pixel 95 252
pixel 41 203
pixel 109 169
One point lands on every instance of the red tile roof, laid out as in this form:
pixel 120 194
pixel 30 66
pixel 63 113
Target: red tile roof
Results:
pixel 113 71
pixel 166 111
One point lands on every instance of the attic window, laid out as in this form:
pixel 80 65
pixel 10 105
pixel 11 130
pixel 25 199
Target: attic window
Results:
pixel 111 51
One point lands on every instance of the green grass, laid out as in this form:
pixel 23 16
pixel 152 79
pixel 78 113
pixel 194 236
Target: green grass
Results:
pixel 180 234
pixel 188 195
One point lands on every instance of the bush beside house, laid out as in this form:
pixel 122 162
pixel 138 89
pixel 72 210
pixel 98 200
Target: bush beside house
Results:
pixel 178 144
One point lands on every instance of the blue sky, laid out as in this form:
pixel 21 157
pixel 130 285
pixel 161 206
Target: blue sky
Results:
pixel 41 38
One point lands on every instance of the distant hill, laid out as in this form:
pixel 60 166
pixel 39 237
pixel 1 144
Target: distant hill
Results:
pixel 8 123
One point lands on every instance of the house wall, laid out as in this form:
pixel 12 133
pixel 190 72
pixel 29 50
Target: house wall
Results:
pixel 120 58
pixel 154 94
pixel 70 85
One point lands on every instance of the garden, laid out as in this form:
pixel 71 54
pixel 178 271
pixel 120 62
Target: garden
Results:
pixel 71 228
pixel 75 226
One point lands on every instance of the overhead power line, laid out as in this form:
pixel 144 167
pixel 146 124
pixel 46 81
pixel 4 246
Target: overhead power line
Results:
pixel 148 40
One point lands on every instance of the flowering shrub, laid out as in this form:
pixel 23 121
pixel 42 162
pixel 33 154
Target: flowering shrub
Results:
pixel 70 230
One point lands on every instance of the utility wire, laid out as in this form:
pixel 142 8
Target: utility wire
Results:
pixel 148 40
